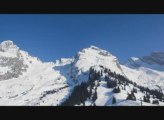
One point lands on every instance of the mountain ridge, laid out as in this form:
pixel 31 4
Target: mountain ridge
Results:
pixel 33 82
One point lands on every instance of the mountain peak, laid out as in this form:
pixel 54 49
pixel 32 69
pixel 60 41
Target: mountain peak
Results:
pixel 8 44
pixel 157 54
pixel 94 47
pixel 8 49
pixel 95 50
pixel 134 58
pixel 94 56
pixel 154 58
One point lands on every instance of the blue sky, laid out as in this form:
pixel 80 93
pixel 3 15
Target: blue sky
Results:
pixel 52 36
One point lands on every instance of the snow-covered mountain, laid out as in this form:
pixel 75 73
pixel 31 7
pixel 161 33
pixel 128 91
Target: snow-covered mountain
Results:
pixel 77 67
pixel 154 61
pixel 147 71
pixel 92 77
pixel 25 80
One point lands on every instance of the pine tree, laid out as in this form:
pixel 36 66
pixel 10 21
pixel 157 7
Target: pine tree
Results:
pixel 106 78
pixel 127 83
pixel 124 87
pixel 134 90
pixel 155 102
pixel 153 96
pixel 111 83
pixel 94 104
pixel 113 100
pixel 119 82
pixel 131 96
pixel 116 90
pixel 106 70
pixel 94 95
pixel 146 98
pixel 101 73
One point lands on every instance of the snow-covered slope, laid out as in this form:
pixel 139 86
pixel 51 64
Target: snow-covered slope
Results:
pixel 147 71
pixel 154 61
pixel 26 80
pixel 76 70
pixel 77 67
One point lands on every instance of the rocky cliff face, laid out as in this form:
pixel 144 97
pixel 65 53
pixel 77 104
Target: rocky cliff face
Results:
pixel 154 58
pixel 11 61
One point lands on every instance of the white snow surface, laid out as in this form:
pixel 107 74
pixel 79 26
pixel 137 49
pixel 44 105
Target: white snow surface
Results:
pixel 77 67
pixel 8 49
pixel 148 75
pixel 30 87
pixel 50 83
pixel 105 97
pixel 4 70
